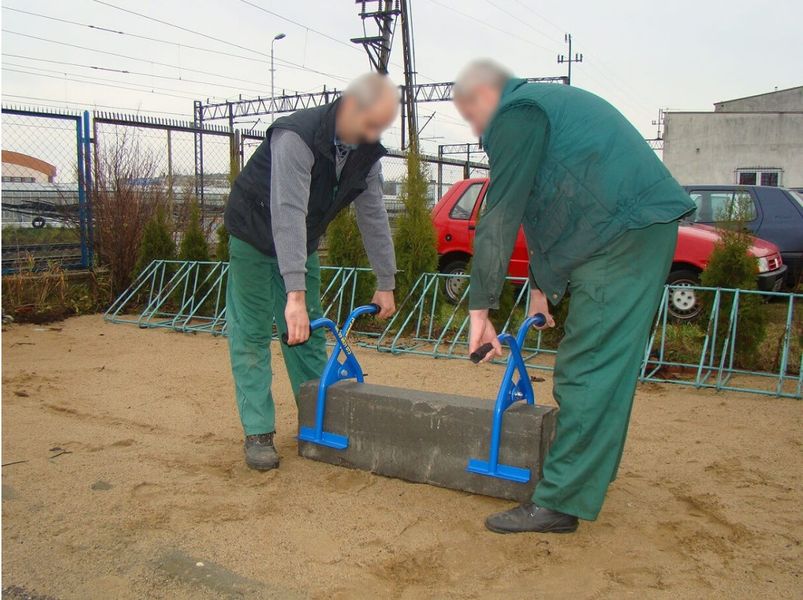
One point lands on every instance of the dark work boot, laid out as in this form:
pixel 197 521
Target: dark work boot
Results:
pixel 260 453
pixel 531 517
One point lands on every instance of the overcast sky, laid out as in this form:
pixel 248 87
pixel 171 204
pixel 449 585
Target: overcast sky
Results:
pixel 639 54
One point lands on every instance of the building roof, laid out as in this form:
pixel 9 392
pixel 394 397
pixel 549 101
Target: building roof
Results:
pixel 787 100
pixel 30 162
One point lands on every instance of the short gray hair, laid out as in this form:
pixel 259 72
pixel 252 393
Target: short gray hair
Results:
pixel 483 71
pixel 367 89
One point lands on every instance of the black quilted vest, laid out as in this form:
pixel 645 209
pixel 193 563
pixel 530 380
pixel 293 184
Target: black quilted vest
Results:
pixel 247 215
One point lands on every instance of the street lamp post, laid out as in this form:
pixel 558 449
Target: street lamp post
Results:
pixel 279 36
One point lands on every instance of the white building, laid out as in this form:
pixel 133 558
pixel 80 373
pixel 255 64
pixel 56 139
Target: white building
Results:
pixel 21 168
pixel 756 140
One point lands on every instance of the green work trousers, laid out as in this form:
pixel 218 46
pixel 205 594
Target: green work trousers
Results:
pixel 613 301
pixel 255 299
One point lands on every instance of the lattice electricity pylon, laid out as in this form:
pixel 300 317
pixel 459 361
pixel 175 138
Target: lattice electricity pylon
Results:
pixel 378 46
pixel 231 110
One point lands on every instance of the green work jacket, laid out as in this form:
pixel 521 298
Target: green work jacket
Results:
pixel 576 174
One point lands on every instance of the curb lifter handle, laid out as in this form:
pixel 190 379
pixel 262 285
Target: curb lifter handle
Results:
pixel 537 320
pixel 511 390
pixel 335 371
pixel 368 309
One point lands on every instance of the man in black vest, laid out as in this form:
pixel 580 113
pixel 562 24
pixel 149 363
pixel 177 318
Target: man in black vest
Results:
pixel 312 164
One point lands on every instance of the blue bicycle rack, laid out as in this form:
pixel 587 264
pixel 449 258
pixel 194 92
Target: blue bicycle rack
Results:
pixel 334 371
pixel 510 391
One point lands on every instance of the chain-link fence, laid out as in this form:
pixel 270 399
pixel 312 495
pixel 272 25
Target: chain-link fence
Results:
pixel 44 203
pixel 59 167
pixel 185 162
pixel 441 173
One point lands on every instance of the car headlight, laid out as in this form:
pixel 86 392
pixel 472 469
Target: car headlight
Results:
pixel 763 264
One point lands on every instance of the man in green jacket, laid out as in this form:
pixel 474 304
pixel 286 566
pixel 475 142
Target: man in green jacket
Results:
pixel 600 213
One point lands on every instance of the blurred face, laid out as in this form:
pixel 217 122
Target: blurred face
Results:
pixel 365 125
pixel 478 106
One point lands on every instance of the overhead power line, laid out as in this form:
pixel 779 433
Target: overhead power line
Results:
pixel 146 86
pixel 134 58
pixel 138 73
pixel 525 23
pixel 88 81
pixel 489 25
pixel 302 25
pixel 54 103
pixel 283 62
pixel 539 15
pixel 606 76
pixel 180 27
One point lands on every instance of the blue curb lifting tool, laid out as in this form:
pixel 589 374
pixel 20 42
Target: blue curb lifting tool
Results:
pixel 334 371
pixel 510 392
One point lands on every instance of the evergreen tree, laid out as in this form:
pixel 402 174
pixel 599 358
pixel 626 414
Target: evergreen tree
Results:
pixel 157 241
pixel 345 249
pixel 222 248
pixel 415 239
pixel 193 243
pixel 732 266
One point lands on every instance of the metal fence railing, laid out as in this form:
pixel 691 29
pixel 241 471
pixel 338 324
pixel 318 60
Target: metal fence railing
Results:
pixel 708 353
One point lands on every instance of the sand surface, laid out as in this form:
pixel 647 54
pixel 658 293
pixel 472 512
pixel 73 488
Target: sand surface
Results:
pixel 133 486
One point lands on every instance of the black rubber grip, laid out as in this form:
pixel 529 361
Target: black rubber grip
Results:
pixel 284 339
pixel 480 353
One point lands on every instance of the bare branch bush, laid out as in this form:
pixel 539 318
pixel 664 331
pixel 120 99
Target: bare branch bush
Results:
pixel 127 193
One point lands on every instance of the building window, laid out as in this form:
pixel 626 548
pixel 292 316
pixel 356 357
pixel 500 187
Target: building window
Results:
pixel 16 179
pixel 390 188
pixel 770 176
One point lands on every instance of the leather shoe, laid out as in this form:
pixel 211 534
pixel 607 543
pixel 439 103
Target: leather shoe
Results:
pixel 260 453
pixel 531 517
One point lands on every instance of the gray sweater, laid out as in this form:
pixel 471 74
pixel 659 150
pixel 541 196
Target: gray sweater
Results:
pixel 291 166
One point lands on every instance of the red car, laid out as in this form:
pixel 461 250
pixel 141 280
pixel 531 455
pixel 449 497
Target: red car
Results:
pixel 455 219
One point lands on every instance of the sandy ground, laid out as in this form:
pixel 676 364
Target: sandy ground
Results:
pixel 133 486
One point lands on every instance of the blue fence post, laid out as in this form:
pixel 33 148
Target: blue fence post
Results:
pixel 88 213
pixel 81 168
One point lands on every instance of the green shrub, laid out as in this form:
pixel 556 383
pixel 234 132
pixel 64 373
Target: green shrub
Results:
pixel 222 248
pixel 157 241
pixel 684 342
pixel 193 243
pixel 415 239
pixel 345 249
pixel 732 266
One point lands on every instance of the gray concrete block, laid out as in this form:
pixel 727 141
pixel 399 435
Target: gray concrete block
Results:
pixel 426 437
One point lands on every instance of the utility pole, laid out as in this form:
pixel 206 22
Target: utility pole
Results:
pixel 278 36
pixel 378 46
pixel 657 143
pixel 660 124
pixel 409 109
pixel 562 58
